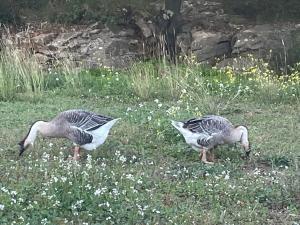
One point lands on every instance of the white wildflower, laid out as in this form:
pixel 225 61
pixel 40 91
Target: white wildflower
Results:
pixel 122 159
pixel 130 177
pixel 97 192
pixel 44 221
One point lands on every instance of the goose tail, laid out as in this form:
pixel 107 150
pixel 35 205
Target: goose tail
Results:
pixel 177 125
pixel 109 124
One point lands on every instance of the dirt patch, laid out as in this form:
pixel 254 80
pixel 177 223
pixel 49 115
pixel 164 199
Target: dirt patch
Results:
pixel 262 165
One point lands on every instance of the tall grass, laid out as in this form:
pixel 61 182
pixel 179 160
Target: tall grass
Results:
pixel 199 84
pixel 19 73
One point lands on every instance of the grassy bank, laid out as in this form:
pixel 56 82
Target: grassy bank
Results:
pixel 145 173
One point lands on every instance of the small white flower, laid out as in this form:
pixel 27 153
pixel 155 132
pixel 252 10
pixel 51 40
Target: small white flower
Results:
pixel 97 192
pixel 156 100
pixel 44 221
pixel 122 159
pixel 149 118
pixel 227 177
pixel 1 207
pixel 129 176
pixel 139 181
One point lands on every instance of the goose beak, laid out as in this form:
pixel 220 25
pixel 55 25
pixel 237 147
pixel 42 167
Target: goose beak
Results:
pixel 248 153
pixel 22 148
pixel 247 150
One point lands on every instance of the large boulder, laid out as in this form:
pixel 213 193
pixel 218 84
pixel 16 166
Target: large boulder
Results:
pixel 208 45
pixel 271 42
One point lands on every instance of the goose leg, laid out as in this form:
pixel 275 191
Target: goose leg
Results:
pixel 76 153
pixel 203 157
pixel 212 155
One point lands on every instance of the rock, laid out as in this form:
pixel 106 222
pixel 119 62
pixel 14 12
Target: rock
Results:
pixel 63 39
pixel 184 41
pixel 250 39
pixel 44 39
pixel 144 27
pixel 76 44
pixel 275 43
pixel 96 31
pixel 238 64
pixel 208 45
pixel 126 33
pixel 45 52
pixel 89 33
pixel 41 58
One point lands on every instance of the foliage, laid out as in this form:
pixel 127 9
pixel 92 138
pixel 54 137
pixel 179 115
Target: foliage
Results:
pixel 262 10
pixel 8 13
pixel 70 11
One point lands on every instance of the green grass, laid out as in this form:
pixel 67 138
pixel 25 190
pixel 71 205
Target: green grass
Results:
pixel 145 173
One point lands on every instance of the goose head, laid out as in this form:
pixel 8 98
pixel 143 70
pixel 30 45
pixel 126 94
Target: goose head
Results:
pixel 241 133
pixel 31 136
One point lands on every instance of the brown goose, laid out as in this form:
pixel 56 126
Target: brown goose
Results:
pixel 85 129
pixel 210 131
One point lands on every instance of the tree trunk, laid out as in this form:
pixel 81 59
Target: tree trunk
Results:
pixel 172 12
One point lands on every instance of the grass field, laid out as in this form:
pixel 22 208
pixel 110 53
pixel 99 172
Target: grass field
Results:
pixel 145 173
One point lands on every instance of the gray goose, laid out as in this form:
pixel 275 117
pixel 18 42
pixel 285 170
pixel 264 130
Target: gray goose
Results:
pixel 85 129
pixel 205 133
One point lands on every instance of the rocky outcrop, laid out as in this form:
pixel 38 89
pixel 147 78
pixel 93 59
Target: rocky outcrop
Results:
pixel 206 46
pixel 275 43
pixel 205 31
pixel 95 47
pixel 90 47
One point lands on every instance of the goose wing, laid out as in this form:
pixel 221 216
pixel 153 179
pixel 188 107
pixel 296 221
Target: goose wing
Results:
pixel 208 125
pixel 84 120
pixel 80 123
pixel 80 137
pixel 208 128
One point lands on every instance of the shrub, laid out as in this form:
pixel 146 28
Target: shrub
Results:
pixel 69 11
pixel 265 9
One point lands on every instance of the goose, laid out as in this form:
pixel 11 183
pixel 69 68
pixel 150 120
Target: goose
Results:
pixel 203 134
pixel 86 130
